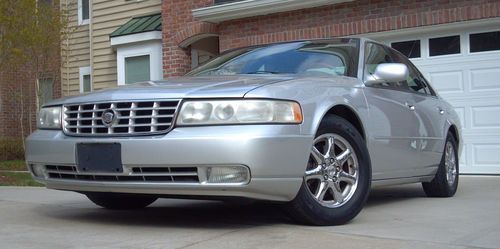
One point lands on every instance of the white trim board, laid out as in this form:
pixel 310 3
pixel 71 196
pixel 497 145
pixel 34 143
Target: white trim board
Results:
pixel 437 29
pixel 248 8
pixel 133 38
pixel 84 71
pixel 82 21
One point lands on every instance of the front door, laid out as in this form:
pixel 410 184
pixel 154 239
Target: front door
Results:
pixel 394 140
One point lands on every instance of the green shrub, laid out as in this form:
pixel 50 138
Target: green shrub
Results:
pixel 11 149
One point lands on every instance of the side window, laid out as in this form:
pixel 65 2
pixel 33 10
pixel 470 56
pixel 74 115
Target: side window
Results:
pixel 415 81
pixel 375 55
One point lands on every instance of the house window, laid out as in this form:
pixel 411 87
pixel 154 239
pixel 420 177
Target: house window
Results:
pixel 85 80
pixel 444 45
pixel 46 90
pixel 83 12
pixel 140 61
pixel 410 49
pixel 482 42
pixel 137 69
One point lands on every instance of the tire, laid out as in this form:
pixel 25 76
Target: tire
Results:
pixel 119 201
pixel 445 183
pixel 347 178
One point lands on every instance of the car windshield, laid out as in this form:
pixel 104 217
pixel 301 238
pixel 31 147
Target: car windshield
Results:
pixel 336 57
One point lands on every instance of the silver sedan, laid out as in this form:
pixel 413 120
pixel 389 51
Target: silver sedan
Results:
pixel 311 124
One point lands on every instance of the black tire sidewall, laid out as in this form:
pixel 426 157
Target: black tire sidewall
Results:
pixel 317 214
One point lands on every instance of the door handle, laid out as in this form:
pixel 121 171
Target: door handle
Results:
pixel 410 106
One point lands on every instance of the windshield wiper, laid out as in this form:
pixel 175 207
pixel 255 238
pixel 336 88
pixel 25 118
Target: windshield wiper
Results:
pixel 263 72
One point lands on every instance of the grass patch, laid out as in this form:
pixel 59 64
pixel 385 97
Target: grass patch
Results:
pixel 13 165
pixel 11 149
pixel 17 179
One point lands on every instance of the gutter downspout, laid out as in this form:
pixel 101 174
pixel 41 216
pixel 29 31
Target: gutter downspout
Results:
pixel 68 51
pixel 91 43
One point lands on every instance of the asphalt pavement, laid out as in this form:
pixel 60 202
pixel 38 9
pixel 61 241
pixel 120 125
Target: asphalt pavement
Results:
pixel 394 217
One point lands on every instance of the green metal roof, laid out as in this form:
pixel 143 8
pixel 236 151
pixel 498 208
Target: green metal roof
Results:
pixel 139 25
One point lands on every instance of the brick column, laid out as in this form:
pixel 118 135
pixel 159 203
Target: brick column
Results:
pixel 178 19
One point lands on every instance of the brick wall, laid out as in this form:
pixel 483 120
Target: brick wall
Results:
pixel 357 17
pixel 17 100
pixel 177 19
pixel 351 18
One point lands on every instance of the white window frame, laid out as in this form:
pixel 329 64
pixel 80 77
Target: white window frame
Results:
pixel 151 48
pixel 82 21
pixel 85 71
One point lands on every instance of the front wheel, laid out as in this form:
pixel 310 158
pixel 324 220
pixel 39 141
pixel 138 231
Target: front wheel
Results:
pixel 121 201
pixel 337 177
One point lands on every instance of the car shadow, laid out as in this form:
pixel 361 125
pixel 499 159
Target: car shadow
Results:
pixel 179 213
pixel 208 214
pixel 380 196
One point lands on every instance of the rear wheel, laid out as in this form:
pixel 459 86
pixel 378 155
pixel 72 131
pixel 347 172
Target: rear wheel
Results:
pixel 337 178
pixel 120 201
pixel 445 183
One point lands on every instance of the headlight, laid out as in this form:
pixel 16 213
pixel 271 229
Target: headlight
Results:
pixel 49 118
pixel 239 112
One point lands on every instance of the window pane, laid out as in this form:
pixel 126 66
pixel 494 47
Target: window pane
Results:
pixel 85 9
pixel 413 82
pixel 46 86
pixel 137 69
pixel 488 41
pixel 444 45
pixel 86 83
pixel 410 49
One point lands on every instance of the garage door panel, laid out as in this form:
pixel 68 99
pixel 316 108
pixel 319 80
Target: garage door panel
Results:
pixel 461 114
pixel 485 79
pixel 485 116
pixel 471 83
pixel 486 155
pixel 447 82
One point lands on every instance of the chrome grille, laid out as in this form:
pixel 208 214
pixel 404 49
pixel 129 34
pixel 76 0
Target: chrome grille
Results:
pixel 136 174
pixel 132 118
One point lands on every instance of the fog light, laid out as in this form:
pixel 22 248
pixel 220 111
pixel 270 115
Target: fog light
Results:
pixel 38 170
pixel 228 174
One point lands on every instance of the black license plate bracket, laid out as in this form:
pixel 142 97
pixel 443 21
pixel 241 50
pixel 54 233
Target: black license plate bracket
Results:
pixel 99 157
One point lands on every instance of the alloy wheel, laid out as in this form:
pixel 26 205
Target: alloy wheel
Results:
pixel 450 163
pixel 332 171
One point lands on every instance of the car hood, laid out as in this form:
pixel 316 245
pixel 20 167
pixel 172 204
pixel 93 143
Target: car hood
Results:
pixel 183 87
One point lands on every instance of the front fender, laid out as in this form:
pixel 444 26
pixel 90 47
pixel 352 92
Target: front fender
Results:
pixel 317 96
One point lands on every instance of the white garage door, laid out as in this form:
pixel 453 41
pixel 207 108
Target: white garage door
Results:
pixel 464 67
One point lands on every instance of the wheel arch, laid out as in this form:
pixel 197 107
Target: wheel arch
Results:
pixel 454 131
pixel 347 113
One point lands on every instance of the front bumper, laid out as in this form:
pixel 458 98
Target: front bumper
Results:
pixel 276 156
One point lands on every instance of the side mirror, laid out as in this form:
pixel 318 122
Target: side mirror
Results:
pixel 388 72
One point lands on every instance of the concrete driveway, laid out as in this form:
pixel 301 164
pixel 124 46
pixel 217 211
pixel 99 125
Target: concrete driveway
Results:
pixel 395 217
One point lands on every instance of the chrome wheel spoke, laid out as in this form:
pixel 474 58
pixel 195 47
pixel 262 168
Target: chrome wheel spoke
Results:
pixel 318 157
pixel 322 188
pixel 342 158
pixel 349 179
pixel 330 152
pixel 314 173
pixel 337 193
